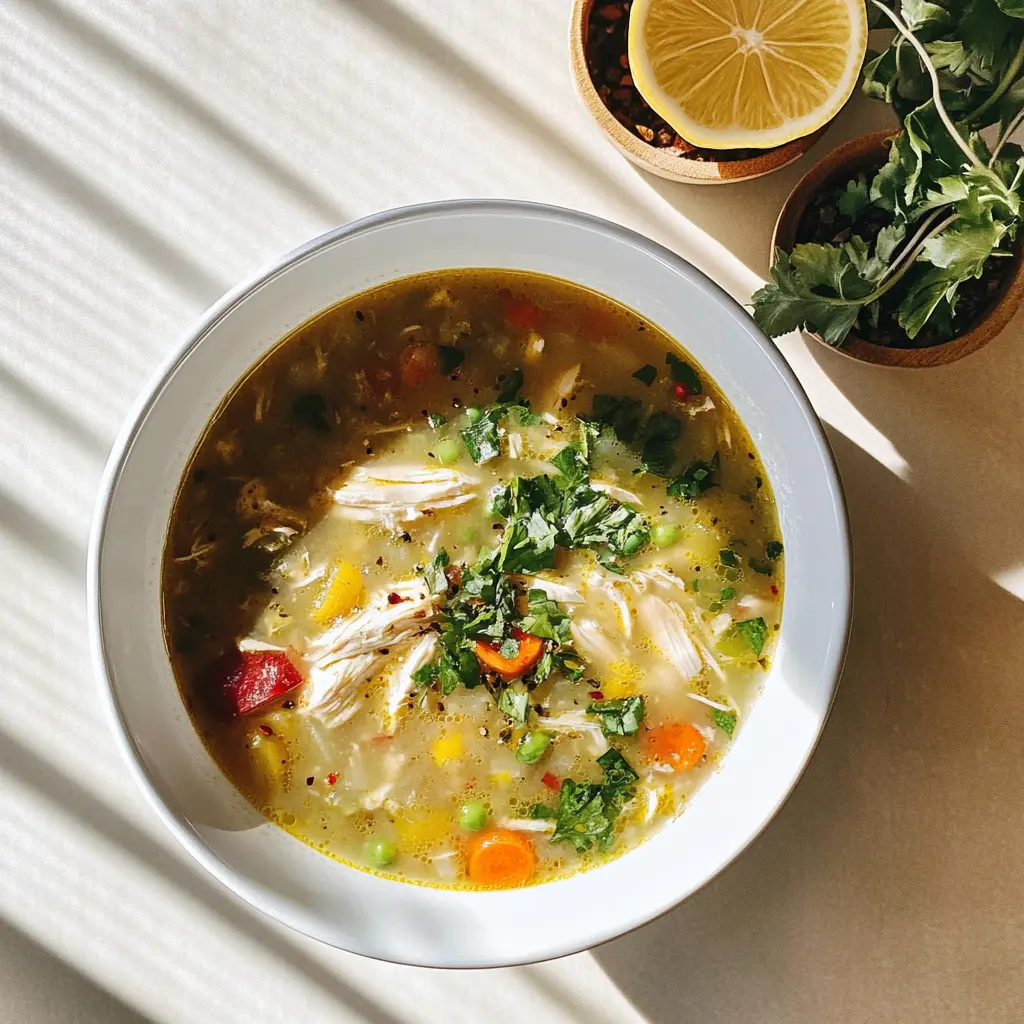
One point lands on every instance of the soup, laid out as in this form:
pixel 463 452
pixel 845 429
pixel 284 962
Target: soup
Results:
pixel 472 580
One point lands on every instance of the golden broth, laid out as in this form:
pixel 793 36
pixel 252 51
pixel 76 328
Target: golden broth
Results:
pixel 335 474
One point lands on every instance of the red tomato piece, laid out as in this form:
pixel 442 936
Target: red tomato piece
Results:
pixel 255 678
pixel 524 314
pixel 551 781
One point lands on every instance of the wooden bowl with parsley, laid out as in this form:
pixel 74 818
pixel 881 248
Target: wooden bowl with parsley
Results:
pixel 827 208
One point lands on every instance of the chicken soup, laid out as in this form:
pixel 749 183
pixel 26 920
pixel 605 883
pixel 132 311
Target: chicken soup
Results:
pixel 472 580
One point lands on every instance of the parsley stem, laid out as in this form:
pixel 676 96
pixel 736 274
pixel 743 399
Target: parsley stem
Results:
pixel 1004 138
pixel 936 90
pixel 1005 82
pixel 906 260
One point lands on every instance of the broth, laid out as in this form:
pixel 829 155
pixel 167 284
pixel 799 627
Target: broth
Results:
pixel 472 579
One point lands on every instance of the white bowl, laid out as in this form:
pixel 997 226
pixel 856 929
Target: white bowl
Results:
pixel 413 924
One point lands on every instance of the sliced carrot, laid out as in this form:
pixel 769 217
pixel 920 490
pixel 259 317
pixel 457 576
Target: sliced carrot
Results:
pixel 501 858
pixel 530 649
pixel 677 744
pixel 523 313
pixel 418 364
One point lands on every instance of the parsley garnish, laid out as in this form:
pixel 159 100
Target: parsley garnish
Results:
pixel 661 431
pixel 435 420
pixel 481 436
pixel 725 720
pixel 760 565
pixel 514 701
pixel 509 386
pixel 587 810
pixel 728 557
pixel 437 582
pixel 451 358
pixel 683 373
pixel 621 717
pixel 646 374
pixel 755 632
pixel 695 479
pixel 773 549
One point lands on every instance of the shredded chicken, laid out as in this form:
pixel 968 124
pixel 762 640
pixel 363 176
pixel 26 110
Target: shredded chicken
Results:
pixel 401 684
pixel 556 591
pixel 527 824
pixel 665 624
pixel 332 693
pixel 250 645
pixel 396 495
pixel 707 700
pixel 593 643
pixel 577 722
pixel 516 447
pixel 560 390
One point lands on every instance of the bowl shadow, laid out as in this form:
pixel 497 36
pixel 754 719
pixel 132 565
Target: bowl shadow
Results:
pixel 882 888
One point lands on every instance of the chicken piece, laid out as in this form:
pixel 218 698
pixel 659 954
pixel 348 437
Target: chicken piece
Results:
pixel 383 623
pixel 400 684
pixel 395 495
pixel 556 591
pixel 594 644
pixel 560 390
pixel 527 824
pixel 332 693
pixel 616 492
pixel 577 722
pixel 664 622
pixel 612 588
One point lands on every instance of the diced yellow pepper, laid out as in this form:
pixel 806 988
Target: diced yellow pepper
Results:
pixel 422 829
pixel 270 762
pixel 501 778
pixel 341 592
pixel 448 747
pixel 621 680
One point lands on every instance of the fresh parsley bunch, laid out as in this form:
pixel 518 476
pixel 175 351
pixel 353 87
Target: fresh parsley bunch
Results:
pixel 949 201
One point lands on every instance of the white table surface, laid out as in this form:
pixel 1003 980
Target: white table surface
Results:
pixel 152 152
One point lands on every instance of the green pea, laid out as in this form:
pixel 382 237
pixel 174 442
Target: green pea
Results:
pixel 380 852
pixel 533 746
pixel 474 414
pixel 448 451
pixel 664 534
pixel 473 815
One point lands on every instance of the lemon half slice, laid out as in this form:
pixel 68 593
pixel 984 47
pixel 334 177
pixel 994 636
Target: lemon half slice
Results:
pixel 732 74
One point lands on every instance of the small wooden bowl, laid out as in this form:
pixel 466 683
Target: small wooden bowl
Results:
pixel 664 162
pixel 868 153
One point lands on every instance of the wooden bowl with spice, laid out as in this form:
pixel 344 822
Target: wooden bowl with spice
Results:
pixel 600 65
pixel 810 215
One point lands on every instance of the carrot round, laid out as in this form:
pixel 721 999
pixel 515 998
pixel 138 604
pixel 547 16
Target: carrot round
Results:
pixel 501 858
pixel 524 314
pixel 530 649
pixel 677 744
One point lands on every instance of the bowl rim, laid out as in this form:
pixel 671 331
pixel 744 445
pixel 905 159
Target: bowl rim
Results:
pixel 196 334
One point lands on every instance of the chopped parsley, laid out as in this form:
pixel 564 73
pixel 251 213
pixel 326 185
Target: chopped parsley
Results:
pixel 725 720
pixel 451 358
pixel 773 549
pixel 755 632
pixel 514 701
pixel 619 413
pixel 435 420
pixel 661 431
pixel 621 717
pixel 437 582
pixel 646 374
pixel 587 810
pixel 760 565
pixel 695 479
pixel 508 386
pixel 728 558
pixel 481 436
pixel 683 373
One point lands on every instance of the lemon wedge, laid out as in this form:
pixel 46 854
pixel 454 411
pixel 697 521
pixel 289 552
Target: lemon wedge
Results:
pixel 733 74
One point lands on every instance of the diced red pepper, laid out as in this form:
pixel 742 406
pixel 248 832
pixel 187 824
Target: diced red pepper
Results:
pixel 332 779
pixel 551 781
pixel 253 679
pixel 681 391
pixel 523 313
pixel 596 695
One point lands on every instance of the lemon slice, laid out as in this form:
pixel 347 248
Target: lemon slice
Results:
pixel 732 74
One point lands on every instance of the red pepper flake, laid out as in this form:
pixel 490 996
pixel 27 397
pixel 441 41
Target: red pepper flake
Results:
pixel 596 695
pixel 681 391
pixel 382 738
pixel 775 590
pixel 266 730
pixel 394 598
pixel 332 779
pixel 551 781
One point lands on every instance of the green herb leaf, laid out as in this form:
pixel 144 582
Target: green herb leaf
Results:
pixel 619 717
pixel 437 582
pixel 661 431
pixel 514 701
pixel 541 812
pixel 435 420
pixel 697 478
pixel 510 385
pixel 587 811
pixel 620 413
pixel 310 410
pixel 725 720
pixel 755 632
pixel 728 557
pixel 546 619
pixel 481 436
pixel 451 358
pixel 759 565
pixel 683 373
pixel 727 594
pixel 646 374
pixel 773 549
